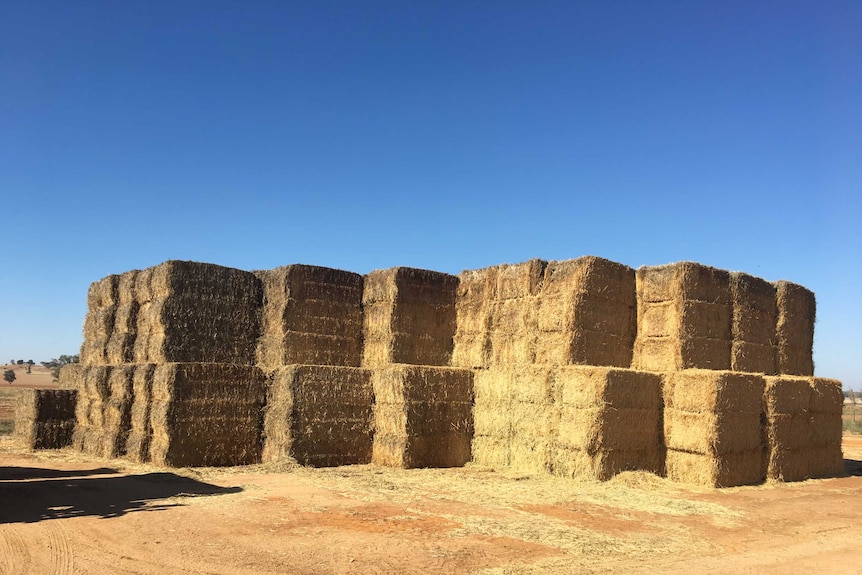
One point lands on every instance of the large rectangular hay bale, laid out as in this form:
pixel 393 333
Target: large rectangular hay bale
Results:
pixel 409 317
pixel 206 414
pixel 121 344
pixel 311 315
pixel 93 394
pixel 118 410
pixel 198 312
pixel 102 300
pixel 423 416
pixel 141 431
pixel 45 418
pixel 712 470
pixel 605 464
pixel 796 307
pixel 587 313
pixel 684 318
pixel 319 416
pixel 755 315
pixel 713 427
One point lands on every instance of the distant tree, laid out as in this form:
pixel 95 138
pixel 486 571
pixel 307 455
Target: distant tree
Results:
pixel 20 362
pixel 9 376
pixel 57 363
pixel 31 362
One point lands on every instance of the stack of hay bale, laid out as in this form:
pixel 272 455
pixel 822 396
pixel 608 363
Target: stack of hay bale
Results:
pixel 423 410
pixel 541 318
pixel 45 418
pixel 319 404
pixel 200 323
pixel 581 368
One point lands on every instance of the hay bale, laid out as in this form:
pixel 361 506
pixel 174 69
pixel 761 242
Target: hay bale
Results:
pixel 476 291
pixel 198 312
pixel 492 416
pixel 755 315
pixel 423 416
pixel 102 301
pixel 93 394
pixel 311 315
pixel 727 470
pixel 713 427
pixel 141 432
pixel 610 420
pixel 45 418
pixel 409 317
pixel 319 416
pixel 587 313
pixel 120 347
pixel 824 450
pixel 118 410
pixel 795 328
pixel 206 414
pixel 684 318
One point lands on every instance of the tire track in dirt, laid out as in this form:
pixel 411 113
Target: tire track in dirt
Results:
pixel 13 551
pixel 62 557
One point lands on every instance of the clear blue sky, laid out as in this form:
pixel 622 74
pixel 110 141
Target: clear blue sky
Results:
pixel 443 135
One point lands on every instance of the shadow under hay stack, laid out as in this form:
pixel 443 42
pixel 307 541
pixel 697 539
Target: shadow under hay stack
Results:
pixel 580 368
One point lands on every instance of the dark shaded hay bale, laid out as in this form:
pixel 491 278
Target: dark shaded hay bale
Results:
pixel 141 432
pixel 45 418
pixel 319 416
pixel 200 312
pixel 121 343
pixel 684 318
pixel 206 414
pixel 795 328
pixel 311 315
pixel 423 416
pixel 102 301
pixel 409 317
pixel 755 316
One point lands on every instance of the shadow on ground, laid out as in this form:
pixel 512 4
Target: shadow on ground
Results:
pixel 29 495
pixel 853 467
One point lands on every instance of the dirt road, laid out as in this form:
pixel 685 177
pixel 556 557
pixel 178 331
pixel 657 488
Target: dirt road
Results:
pixel 63 513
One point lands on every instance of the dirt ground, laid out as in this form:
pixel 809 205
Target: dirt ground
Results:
pixel 63 513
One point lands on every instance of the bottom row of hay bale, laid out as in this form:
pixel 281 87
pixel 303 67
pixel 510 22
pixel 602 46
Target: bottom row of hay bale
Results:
pixel 45 418
pixel 706 427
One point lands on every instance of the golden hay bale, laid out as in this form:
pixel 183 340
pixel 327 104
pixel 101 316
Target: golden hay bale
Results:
pixel 319 415
pixel 755 312
pixel 311 315
pixel 787 394
pixel 826 429
pixel 103 293
pixel 530 454
pixel 587 313
pixel 409 317
pixel 490 451
pixel 608 429
pixel 712 432
pixel 588 387
pixel 701 390
pixel 810 462
pixel 825 460
pixel 206 414
pixel 604 464
pixel 684 318
pixel 753 358
pixel 791 431
pixel 45 418
pixel 93 393
pixel 72 376
pixel 795 328
pixel 423 416
pixel 141 432
pixel 826 396
pixel 710 470
pixel 118 410
pixel 519 280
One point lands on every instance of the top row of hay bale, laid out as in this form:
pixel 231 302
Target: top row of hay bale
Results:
pixel 695 316
pixel 579 311
pixel 585 311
